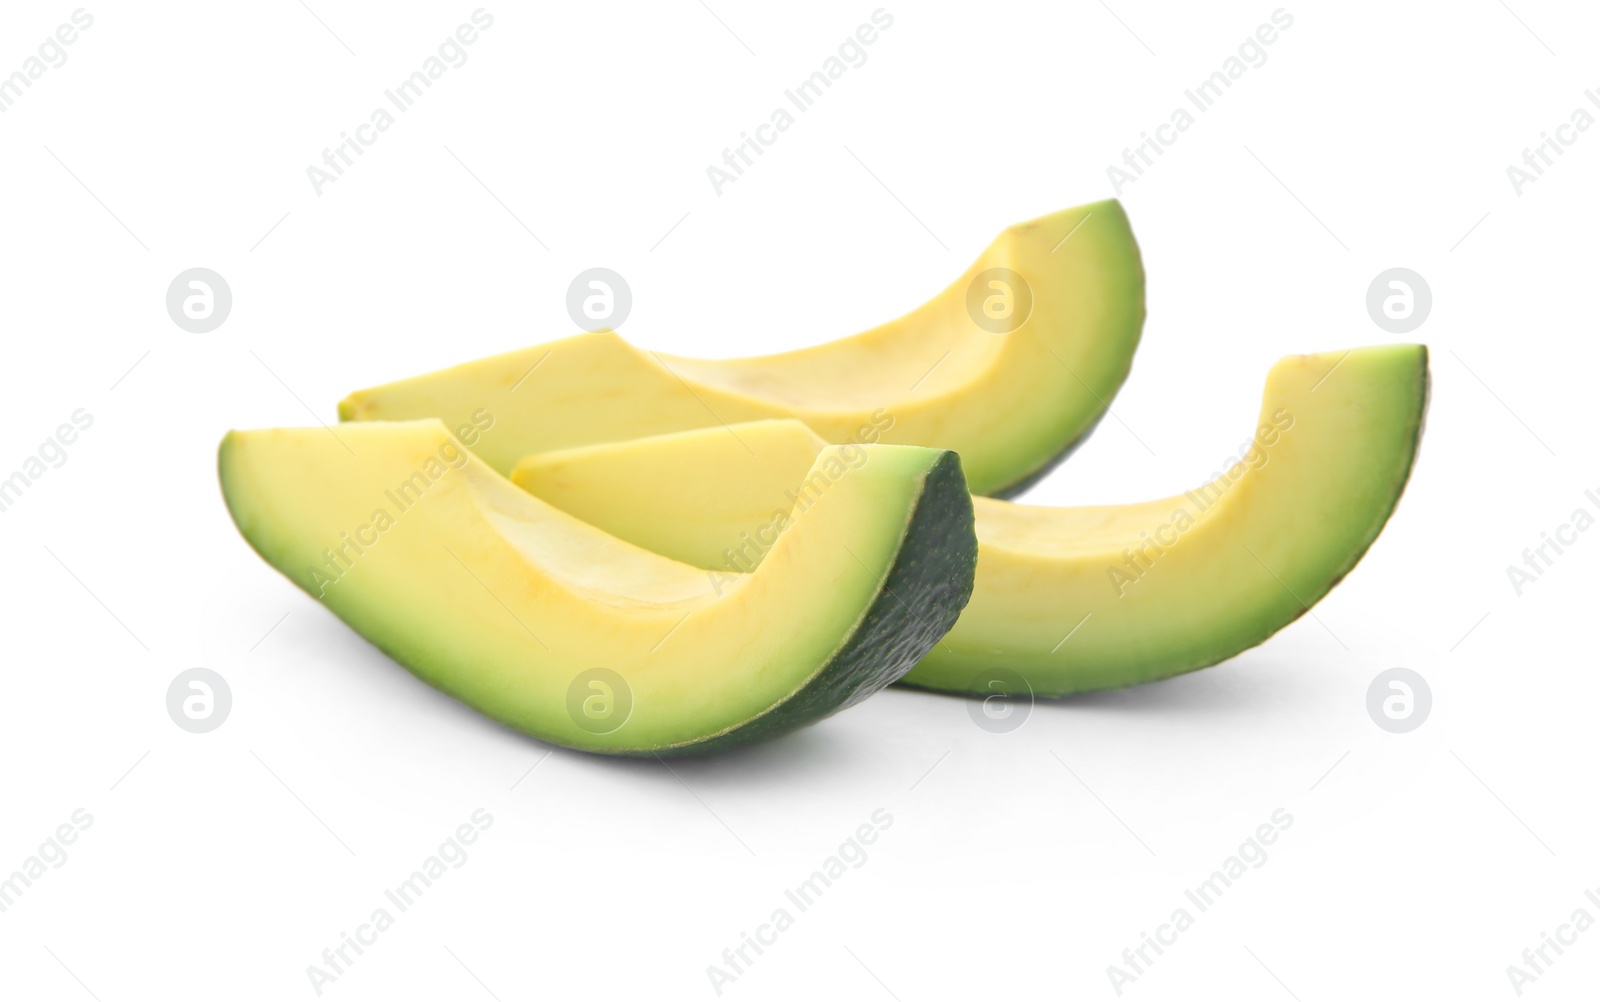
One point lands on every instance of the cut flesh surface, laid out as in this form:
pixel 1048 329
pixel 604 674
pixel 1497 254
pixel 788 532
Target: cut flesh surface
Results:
pixel 1010 365
pixel 1084 598
pixel 510 605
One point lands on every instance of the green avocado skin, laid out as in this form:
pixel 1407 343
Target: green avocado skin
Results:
pixel 1414 426
pixel 1106 386
pixel 926 589
pixel 929 583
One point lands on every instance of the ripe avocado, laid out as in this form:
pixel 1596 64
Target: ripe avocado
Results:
pixel 553 627
pixel 1011 365
pixel 1074 599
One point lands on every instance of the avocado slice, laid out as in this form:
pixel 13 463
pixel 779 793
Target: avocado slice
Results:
pixel 557 629
pixel 1010 366
pixel 1073 599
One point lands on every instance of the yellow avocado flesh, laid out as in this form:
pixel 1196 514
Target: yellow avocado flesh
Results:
pixel 502 600
pixel 1074 599
pixel 1010 401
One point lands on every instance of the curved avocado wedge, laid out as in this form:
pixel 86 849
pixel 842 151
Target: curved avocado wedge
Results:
pixel 1073 599
pixel 557 629
pixel 1010 366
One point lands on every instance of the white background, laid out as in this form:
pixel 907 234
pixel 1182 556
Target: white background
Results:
pixel 1023 864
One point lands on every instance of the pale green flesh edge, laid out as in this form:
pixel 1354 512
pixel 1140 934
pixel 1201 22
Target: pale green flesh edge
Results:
pixel 923 590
